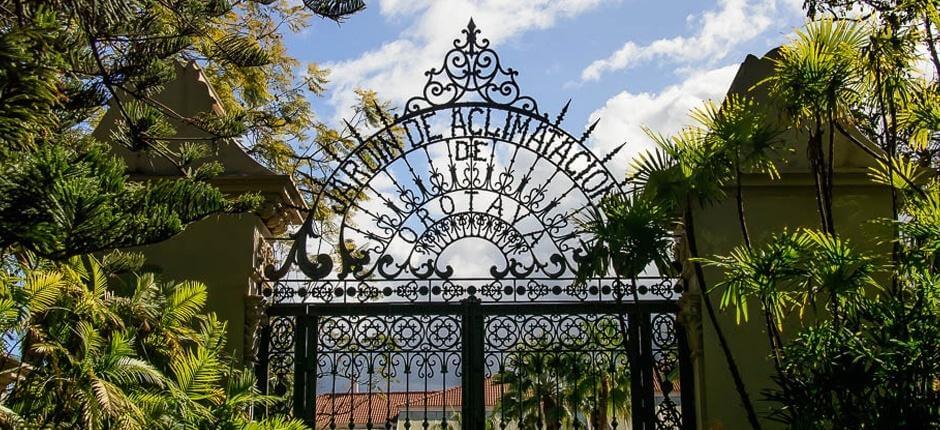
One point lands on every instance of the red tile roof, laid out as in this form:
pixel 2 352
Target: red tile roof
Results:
pixel 381 408
pixel 361 408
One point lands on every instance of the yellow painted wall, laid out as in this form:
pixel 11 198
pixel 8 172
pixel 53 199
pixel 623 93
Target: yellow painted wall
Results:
pixel 771 206
pixel 220 252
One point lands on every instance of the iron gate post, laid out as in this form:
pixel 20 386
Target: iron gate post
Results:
pixel 310 400
pixel 300 365
pixel 646 370
pixel 261 364
pixel 472 413
pixel 640 350
pixel 305 375
pixel 686 378
pixel 636 383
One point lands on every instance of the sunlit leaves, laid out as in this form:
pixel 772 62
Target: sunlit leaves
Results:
pixel 100 355
pixel 746 129
pixel 770 275
pixel 838 272
pixel 317 77
pixel 921 117
pixel 820 71
pixel 795 272
pixel 901 174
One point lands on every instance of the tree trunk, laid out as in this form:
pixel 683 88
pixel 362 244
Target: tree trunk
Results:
pixel 602 422
pixel 830 175
pixel 739 197
pixel 773 336
pixel 815 156
pixel 551 413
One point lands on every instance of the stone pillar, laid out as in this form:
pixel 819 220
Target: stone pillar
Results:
pixel 225 252
pixel 771 206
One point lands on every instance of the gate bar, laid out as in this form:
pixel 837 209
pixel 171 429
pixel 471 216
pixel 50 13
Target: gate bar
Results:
pixel 300 366
pixel 473 415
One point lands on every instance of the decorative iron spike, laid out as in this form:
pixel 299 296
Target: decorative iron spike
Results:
pixel 587 133
pixel 471 35
pixel 381 113
pixel 355 133
pixel 610 155
pixel 561 115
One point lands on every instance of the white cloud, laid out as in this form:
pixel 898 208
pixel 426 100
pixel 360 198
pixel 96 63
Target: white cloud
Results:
pixel 719 31
pixel 624 115
pixel 397 68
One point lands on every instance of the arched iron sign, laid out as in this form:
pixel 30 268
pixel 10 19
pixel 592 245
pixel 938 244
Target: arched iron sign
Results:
pixel 466 203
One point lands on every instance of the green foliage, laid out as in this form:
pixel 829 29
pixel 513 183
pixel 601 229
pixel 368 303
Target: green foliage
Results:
pixel 876 367
pixel 819 71
pixel 90 347
pixel 772 274
pixel 60 200
pixel 335 9
pixel 630 233
pixel 90 344
pixel 864 351
pixel 744 128
pixel 867 356
pixel 63 63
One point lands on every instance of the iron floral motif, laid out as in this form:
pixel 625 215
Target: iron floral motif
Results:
pixel 471 67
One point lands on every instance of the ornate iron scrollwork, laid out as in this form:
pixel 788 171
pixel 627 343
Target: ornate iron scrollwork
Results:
pixel 377 325
pixel 470 157
pixel 471 67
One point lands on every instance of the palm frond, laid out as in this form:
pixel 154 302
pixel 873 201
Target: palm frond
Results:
pixel 335 9
pixel 899 175
pixel 184 302
pixel 197 374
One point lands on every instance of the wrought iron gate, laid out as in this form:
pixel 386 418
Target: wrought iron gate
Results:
pixel 454 303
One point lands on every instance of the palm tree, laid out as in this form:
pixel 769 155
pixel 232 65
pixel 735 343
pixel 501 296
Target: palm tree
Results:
pixel 605 388
pixel 768 274
pixel 836 272
pixel 816 78
pixel 100 347
pixel 630 232
pixel 682 171
pixel 532 390
pixel 744 128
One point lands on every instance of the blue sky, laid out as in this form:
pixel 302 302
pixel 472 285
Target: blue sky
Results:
pixel 626 62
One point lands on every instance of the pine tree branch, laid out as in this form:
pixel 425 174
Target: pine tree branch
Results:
pixel 109 84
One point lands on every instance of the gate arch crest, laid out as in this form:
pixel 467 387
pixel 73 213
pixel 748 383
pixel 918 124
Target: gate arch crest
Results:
pixel 470 167
pixel 471 156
